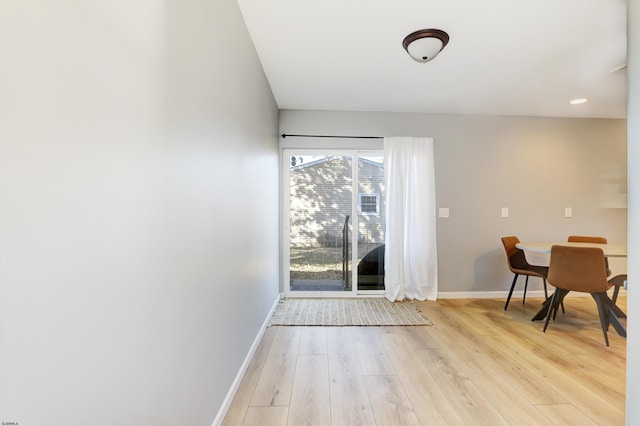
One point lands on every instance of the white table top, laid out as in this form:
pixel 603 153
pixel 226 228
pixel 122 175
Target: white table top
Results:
pixel 610 250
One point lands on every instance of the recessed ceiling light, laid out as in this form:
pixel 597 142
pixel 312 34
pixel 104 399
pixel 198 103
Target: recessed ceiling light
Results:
pixel 578 101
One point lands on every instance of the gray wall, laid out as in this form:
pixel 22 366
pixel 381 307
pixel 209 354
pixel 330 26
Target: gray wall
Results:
pixel 633 299
pixel 534 166
pixel 136 142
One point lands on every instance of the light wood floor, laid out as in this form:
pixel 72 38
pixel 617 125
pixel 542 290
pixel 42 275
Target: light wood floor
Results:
pixel 476 365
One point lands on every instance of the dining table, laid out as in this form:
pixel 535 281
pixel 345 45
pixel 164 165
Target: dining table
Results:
pixel 609 250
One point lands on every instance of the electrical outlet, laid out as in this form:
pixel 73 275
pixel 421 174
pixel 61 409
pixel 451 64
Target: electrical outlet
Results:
pixel 443 212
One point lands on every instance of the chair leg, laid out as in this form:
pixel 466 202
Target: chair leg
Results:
pixel 544 281
pixel 513 284
pixel 526 284
pixel 603 312
pixel 616 290
pixel 617 311
pixel 613 313
pixel 552 305
pixel 559 301
pixel 562 301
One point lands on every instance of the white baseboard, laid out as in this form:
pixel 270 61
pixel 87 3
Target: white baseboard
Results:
pixel 226 403
pixel 503 294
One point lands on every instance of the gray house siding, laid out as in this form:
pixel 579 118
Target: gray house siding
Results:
pixel 371 181
pixel 320 200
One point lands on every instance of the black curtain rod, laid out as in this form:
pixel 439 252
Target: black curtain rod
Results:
pixel 284 135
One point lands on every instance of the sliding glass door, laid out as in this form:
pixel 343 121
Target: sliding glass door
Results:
pixel 371 222
pixel 334 232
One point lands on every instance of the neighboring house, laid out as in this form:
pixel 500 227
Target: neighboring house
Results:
pixel 320 201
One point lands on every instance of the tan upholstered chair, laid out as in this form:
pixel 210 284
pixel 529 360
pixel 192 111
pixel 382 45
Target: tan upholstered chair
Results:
pixel 618 280
pixel 518 264
pixel 589 239
pixel 580 269
pixel 586 239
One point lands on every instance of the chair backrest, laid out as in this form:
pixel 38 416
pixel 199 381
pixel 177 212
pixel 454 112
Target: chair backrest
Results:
pixel 586 239
pixel 594 240
pixel 578 269
pixel 515 256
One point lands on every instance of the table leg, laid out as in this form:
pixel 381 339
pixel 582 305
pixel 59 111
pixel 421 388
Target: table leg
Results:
pixel 542 313
pixel 612 315
pixel 615 313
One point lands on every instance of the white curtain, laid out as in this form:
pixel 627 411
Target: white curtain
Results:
pixel 411 269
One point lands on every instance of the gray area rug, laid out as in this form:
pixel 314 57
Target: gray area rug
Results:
pixel 346 312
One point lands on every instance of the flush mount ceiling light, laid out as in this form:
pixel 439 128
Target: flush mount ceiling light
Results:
pixel 424 45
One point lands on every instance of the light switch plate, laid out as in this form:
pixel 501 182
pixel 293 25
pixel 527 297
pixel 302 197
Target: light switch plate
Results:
pixel 505 212
pixel 568 212
pixel 443 212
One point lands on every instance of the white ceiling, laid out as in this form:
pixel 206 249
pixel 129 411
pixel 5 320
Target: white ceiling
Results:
pixel 504 57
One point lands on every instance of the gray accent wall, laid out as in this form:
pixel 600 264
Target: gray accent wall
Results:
pixel 534 166
pixel 138 210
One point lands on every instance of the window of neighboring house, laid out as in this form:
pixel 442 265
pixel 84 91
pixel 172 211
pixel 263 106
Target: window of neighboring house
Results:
pixel 369 204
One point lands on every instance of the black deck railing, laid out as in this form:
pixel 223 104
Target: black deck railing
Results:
pixel 345 253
